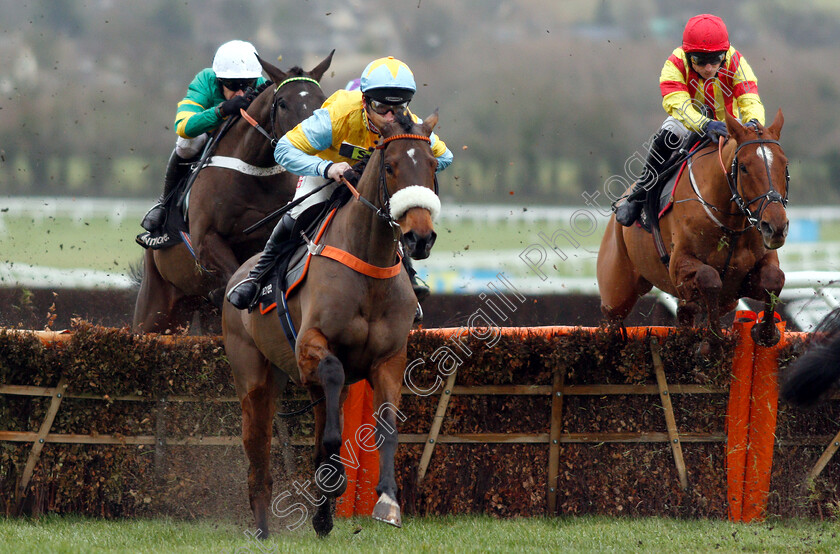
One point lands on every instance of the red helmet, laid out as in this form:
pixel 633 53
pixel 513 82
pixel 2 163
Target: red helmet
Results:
pixel 705 33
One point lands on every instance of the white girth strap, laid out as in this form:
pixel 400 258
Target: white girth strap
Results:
pixel 238 165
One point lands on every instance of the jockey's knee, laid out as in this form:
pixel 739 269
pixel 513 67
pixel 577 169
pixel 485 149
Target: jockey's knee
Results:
pixel 188 148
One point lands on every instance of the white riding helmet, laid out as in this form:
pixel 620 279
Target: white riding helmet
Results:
pixel 237 59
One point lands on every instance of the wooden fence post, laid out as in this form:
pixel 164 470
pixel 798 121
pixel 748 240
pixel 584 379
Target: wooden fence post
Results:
pixel 434 431
pixel 829 452
pixel 670 420
pixel 554 438
pixel 38 443
pixel 160 439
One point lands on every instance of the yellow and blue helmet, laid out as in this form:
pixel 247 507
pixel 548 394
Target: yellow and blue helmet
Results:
pixel 388 80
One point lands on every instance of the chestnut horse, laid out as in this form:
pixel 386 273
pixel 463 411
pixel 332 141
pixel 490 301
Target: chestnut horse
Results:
pixel 223 201
pixel 727 220
pixel 351 324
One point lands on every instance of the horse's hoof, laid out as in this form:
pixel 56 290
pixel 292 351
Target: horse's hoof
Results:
pixel 322 521
pixel 761 338
pixel 387 510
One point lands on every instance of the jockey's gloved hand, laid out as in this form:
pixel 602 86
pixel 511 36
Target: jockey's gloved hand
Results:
pixel 715 129
pixel 232 106
pixel 752 123
pixel 250 94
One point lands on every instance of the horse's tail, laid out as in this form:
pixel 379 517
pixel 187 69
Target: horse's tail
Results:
pixel 814 374
pixel 136 271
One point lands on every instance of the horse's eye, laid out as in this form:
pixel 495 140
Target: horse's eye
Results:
pixel 742 167
pixel 388 169
pixel 281 103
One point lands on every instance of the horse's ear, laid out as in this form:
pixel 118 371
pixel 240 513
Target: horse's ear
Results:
pixel 430 122
pixel 735 128
pixel 776 127
pixel 274 73
pixel 322 67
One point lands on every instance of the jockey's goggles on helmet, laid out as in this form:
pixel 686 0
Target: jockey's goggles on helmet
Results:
pixel 705 58
pixel 382 107
pixel 237 84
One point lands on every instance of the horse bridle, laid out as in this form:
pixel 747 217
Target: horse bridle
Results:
pixel 769 197
pixel 384 212
pixel 272 137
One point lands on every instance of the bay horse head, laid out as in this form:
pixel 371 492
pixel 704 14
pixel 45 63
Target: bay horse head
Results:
pixel 295 95
pixel 408 187
pixel 758 178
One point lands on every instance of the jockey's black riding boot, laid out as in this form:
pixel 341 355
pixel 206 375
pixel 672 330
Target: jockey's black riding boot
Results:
pixel 176 169
pixel 665 143
pixel 244 293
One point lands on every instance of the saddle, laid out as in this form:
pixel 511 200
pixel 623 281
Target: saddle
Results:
pixel 661 198
pixel 292 262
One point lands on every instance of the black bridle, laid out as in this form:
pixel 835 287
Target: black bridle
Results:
pixel 272 137
pixel 384 212
pixel 769 197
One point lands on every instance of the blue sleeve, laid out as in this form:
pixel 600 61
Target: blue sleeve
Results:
pixel 444 160
pixel 296 150
pixel 298 162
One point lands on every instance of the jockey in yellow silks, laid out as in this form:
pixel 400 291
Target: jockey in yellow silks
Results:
pixel 701 81
pixel 322 148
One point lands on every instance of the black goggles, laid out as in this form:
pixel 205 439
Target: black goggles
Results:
pixel 705 58
pixel 382 108
pixel 237 84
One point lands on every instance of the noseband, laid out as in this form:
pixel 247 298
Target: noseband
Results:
pixel 769 197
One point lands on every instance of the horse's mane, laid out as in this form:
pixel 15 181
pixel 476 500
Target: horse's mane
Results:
pixel 296 72
pixel 264 86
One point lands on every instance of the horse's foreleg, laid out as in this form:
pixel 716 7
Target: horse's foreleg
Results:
pixel 697 282
pixel 386 379
pixel 765 283
pixel 323 373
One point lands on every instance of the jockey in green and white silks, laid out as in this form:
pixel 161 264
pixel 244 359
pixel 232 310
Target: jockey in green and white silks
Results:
pixel 325 145
pixel 214 94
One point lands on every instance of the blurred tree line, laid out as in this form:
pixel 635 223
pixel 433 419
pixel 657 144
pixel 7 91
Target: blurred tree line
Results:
pixel 539 100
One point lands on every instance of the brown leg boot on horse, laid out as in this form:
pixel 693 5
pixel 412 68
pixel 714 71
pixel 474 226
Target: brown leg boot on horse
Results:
pixel 176 169
pixel 244 294
pixel 663 147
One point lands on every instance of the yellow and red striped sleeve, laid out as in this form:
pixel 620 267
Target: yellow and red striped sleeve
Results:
pixel 676 94
pixel 745 88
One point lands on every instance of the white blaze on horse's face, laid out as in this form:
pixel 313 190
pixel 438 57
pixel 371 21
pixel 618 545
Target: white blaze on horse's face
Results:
pixel 766 154
pixel 410 154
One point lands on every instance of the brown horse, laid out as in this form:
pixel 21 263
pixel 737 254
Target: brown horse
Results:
pixel 727 220
pixel 224 201
pixel 351 325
